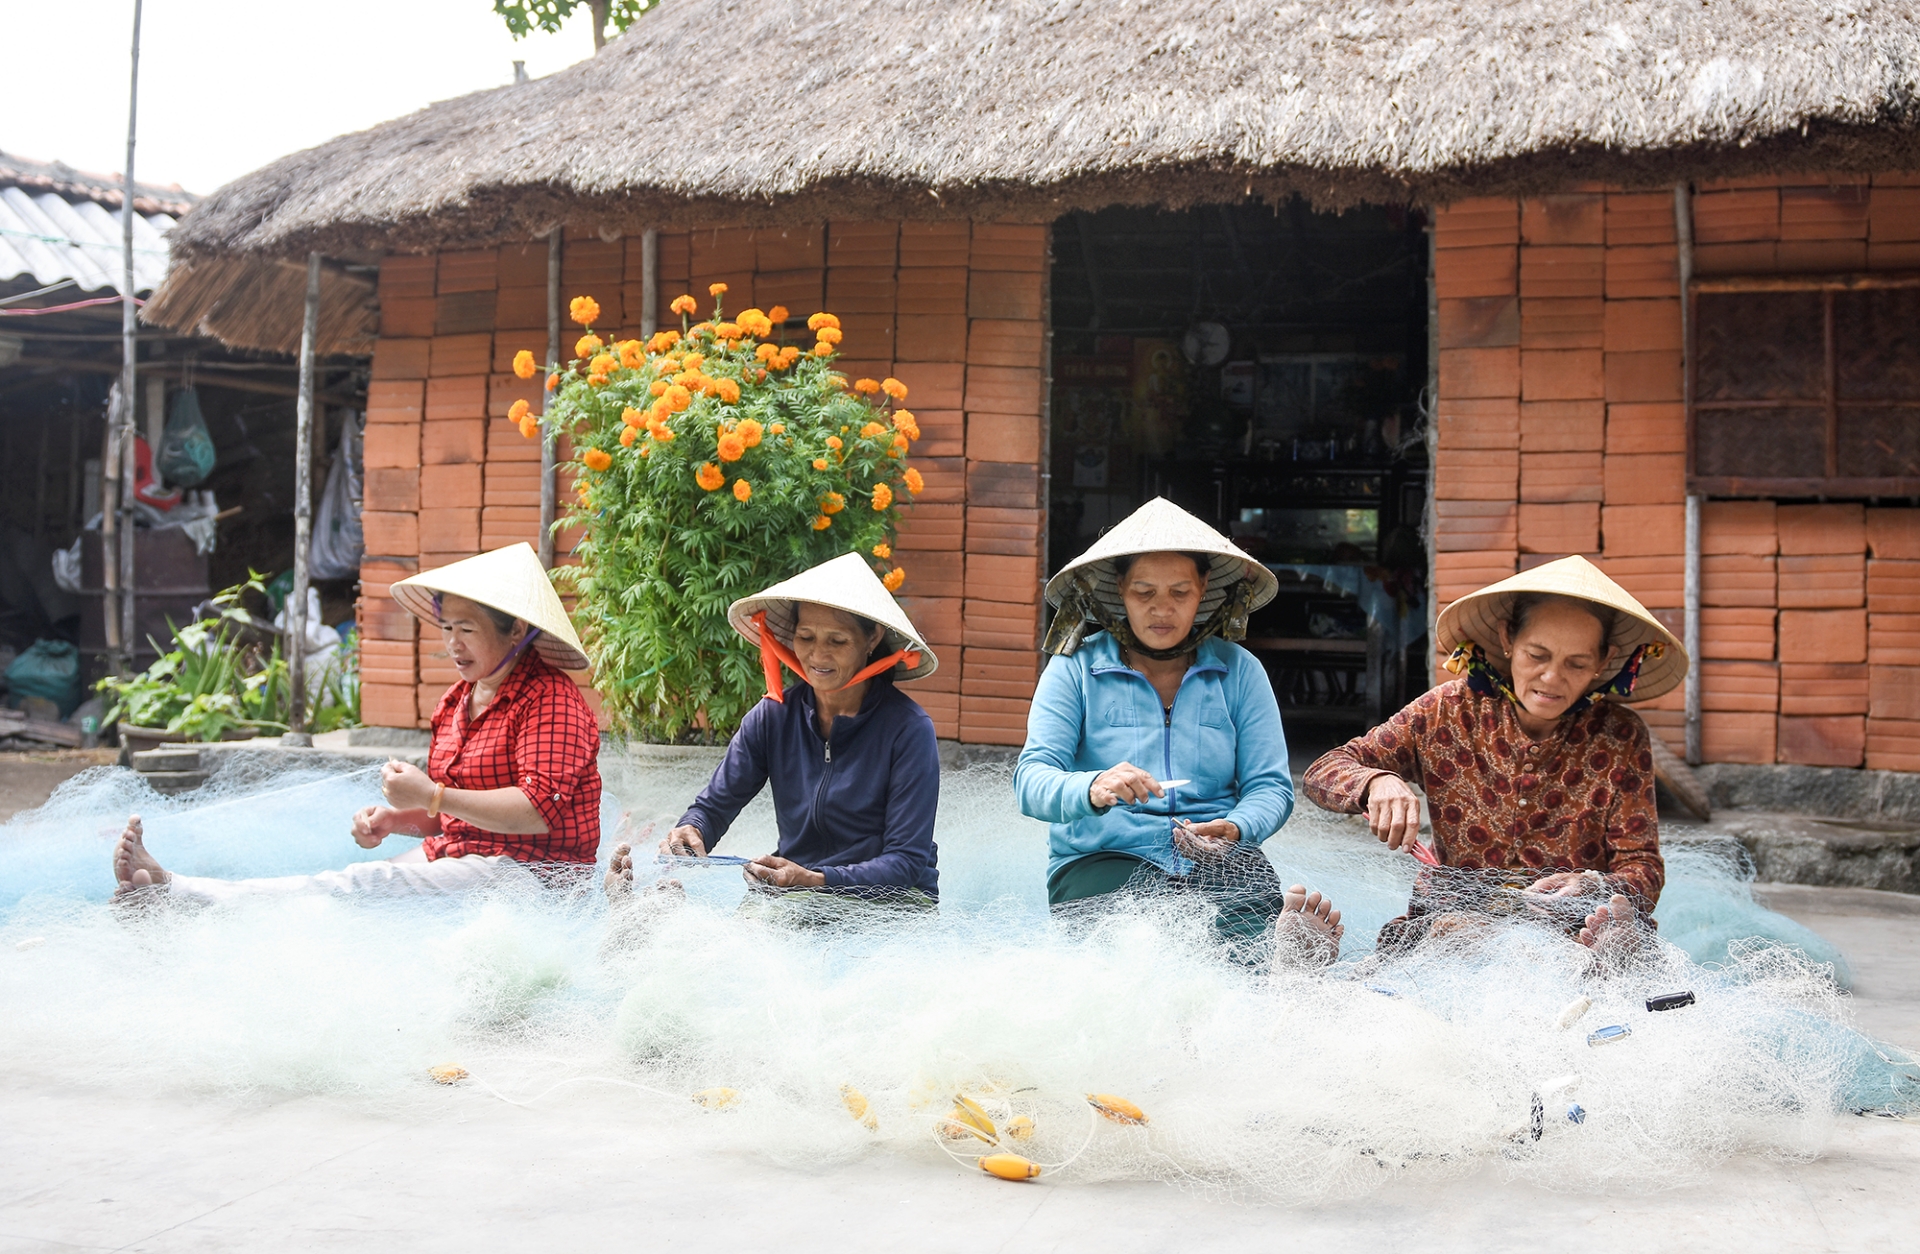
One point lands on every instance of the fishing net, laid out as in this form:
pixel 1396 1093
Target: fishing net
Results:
pixel 817 1045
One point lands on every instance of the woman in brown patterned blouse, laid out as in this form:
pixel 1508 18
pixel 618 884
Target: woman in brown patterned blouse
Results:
pixel 1528 763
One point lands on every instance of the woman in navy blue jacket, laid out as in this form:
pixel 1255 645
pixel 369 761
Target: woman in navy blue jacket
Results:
pixel 852 761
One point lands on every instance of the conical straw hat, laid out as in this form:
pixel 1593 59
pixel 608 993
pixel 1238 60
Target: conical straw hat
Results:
pixel 509 580
pixel 1160 526
pixel 845 583
pixel 1478 615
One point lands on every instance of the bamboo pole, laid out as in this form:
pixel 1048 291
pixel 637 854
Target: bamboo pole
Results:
pixel 548 489
pixel 1683 237
pixel 296 632
pixel 120 642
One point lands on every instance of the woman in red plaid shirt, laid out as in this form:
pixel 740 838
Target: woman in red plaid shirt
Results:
pixel 511 793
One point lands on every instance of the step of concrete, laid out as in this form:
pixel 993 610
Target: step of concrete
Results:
pixel 1881 854
pixel 170 783
pixel 170 758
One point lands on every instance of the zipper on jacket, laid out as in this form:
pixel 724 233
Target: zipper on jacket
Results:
pixel 1166 754
pixel 820 793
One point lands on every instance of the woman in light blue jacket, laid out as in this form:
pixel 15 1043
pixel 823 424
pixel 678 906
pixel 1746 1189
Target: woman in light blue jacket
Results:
pixel 1158 693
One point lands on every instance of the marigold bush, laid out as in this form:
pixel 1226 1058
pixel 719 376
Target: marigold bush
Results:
pixel 658 429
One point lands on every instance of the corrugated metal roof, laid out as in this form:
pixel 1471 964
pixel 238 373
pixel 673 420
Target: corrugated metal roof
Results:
pixel 53 238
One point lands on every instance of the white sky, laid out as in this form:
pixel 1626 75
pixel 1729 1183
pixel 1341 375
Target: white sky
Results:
pixel 228 85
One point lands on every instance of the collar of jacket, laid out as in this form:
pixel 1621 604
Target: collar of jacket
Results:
pixel 1103 656
pixel 845 726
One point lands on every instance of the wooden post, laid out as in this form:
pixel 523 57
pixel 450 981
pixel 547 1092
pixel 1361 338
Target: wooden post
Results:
pixel 296 632
pixel 548 492
pixel 120 641
pixel 649 282
pixel 1683 252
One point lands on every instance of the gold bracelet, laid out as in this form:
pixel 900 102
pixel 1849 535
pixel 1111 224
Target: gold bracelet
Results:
pixel 439 792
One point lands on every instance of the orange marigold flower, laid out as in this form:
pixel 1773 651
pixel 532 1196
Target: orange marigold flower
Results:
pixel 872 429
pixel 883 550
pixel 694 361
pixel 553 381
pixel 596 459
pixel 709 476
pixel 586 346
pixel 760 376
pixel 833 441
pixel 645 449
pixel 632 355
pixel 523 364
pixel 585 311
pixel 700 328
pixel 662 341
pixel 866 387
pixel 914 480
pixel 728 330
pixel 819 463
pixel 633 417
pixel 749 429
pixel 677 398
pixel 832 503
pixel 658 387
pixel 767 352
pixel 894 388
pixel 580 490
pixel 829 335
pixel 663 433
pixel 821 522
pixel 778 428
pixel 900 443
pixel 529 426
pixel 742 489
pixel 603 364
pixel 882 496
pixel 731 447
pixel 596 380
pixel 627 436
pixel 789 354
pixel 778 314
pixel 716 289
pixel 727 390
pixel 683 304
pixel 822 320
pixel 518 411
pixel 894 578
pixel 753 322
pixel 823 349
pixel 904 422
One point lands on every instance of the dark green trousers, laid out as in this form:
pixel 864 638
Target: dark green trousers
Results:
pixel 1243 888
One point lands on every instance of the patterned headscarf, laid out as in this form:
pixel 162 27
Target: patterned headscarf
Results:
pixel 1471 660
pixel 1080 608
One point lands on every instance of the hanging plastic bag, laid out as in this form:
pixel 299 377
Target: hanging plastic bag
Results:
pixel 51 670
pixel 337 538
pixel 186 450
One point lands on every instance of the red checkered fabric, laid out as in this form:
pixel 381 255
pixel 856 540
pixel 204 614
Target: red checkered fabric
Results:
pixel 537 736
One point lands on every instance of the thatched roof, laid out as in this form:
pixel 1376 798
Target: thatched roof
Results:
pixel 748 110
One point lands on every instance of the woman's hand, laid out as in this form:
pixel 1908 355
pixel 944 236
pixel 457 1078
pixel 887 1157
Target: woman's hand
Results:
pixel 372 825
pixel 1206 842
pixel 684 841
pixel 1122 785
pixel 405 786
pixel 1393 811
pixel 778 872
pixel 1567 884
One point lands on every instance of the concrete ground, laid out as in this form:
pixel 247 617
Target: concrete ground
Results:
pixel 92 1169
pixel 26 779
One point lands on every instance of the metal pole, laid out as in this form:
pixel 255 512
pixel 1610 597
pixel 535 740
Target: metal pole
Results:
pixel 548 495
pixel 649 282
pixel 296 634
pixel 110 530
pixel 121 656
pixel 1683 251
pixel 1430 511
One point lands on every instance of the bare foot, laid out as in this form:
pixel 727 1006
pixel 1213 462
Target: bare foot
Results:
pixel 1308 929
pixel 1613 928
pixel 619 881
pixel 134 868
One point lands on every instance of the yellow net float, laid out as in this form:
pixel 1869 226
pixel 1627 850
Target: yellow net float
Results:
pixel 856 1103
pixel 1020 1127
pixel 717 1098
pixel 967 1118
pixel 1118 1109
pixel 448 1074
pixel 1009 1167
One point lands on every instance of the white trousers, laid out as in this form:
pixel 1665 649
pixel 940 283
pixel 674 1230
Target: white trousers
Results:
pixel 408 875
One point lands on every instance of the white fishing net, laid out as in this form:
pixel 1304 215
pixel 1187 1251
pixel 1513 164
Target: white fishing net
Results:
pixel 1291 1086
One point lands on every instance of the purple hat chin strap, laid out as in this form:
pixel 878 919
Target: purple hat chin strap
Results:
pixel 533 633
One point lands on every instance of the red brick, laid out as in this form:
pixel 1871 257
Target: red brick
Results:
pixel 1570 323
pixel 1476 474
pixel 1460 572
pixel 1639 218
pixel 1729 737
pixel 1560 529
pixel 943 243
pixel 1007 673
pixel 1459 273
pixel 450 530
pixel 391 444
pixel 1562 426
pixel 525 264
pixel 1901 256
pixel 1655 582
pixel 995 342
pixel 1646 428
pixel 387 705
pixel 1893 533
pixel 1808 529
pixel 512 483
pixel 935 572
pixel 1737 579
pixel 1565 375
pixel 935 290
pixel 1476 525
pixel 1643 530
pixel 1825 741
pixel 1669 725
pixel 462 313
pixel 1823 688
pixel 404 274
pixel 1728 217
pixel 994 577
pixel 1483 322
pixel 935 385
pixel 946 480
pixel 1000 624
pixel 938 618
pixel 461 396
pixel 506 445
pixel 1468 223
pixel 1894 640
pixel 463 354
pixel 1893 215
pixel 501 525
pixel 468 270
pixel 390 534
pixel 1646 376
pixel 1823 213
pixel 943 433
pixel 1758 258
pixel 396 400
pixel 860 289
pixel 788 248
pixel 1823 581
pixel 1739 527
pixel 1893 745
pixel 930 337
pixel 454 440
pixel 1564 219
pixel 803 292
pixel 1477 372
pixel 992 721
pixel 1738 633
pixel 1643 325
pixel 1562 271
pixel 942 707
pixel 871 243
pixel 1553 478
pixel 1642 271
pixel 1740 686
pixel 1003 437
pixel 1010 532
pixel 406 316
pixel 1009 246
pixel 504 389
pixel 1823 635
pixel 1011 294
pixel 1479 422
pixel 1646 479
pixel 1894 692
pixel 1815 256
pixel 392 488
pixel 401 358
pixel 940 527
pixel 444 487
pixel 1893 587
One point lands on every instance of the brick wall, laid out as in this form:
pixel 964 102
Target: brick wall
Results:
pixel 953 309
pixel 1562 429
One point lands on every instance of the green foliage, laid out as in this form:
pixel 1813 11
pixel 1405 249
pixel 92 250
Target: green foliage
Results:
pixel 523 17
pixel 663 443
pixel 212 681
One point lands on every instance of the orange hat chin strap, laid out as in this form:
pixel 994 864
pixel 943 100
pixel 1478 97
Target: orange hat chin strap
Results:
pixel 909 656
pixel 772 654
